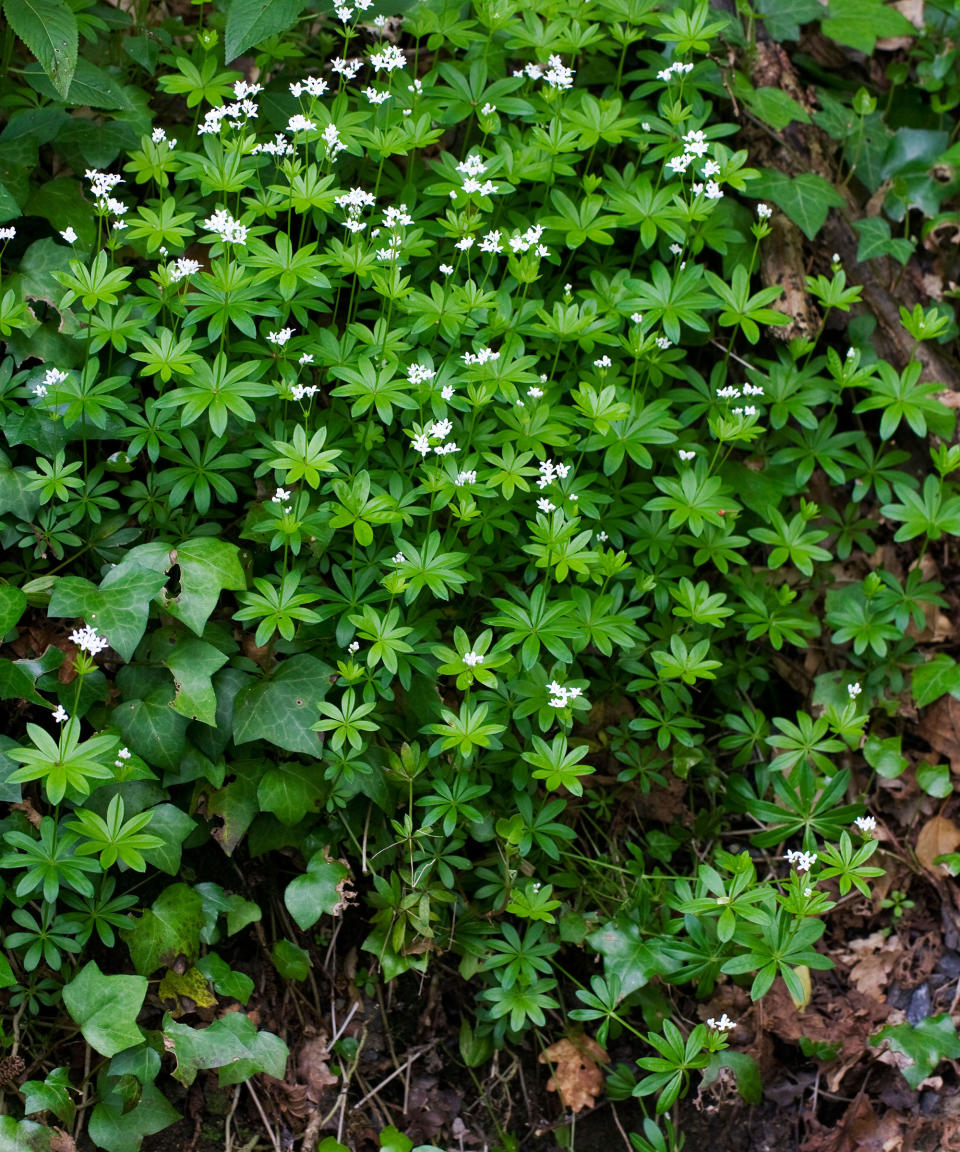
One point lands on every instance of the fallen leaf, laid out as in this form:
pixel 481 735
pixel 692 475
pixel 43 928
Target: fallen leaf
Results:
pixel 940 727
pixel 312 1067
pixel 873 959
pixel 576 1076
pixel 187 991
pixel 938 837
pixel 862 1130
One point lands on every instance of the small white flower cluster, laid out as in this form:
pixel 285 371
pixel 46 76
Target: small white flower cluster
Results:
pixel 732 392
pixel 122 756
pixel 229 230
pixel 420 374
pixel 546 505
pixel 764 211
pixel 68 234
pixel 550 472
pixel 866 824
pixel 488 109
pixel 375 96
pixel 346 68
pixel 481 357
pixel 388 58
pixel 686 454
pixel 353 647
pixel 466 477
pixel 557 75
pixel 279 146
pixel 8 233
pixel 158 136
pixel 280 338
pixel 298 123
pixel 183 267
pixel 241 109
pixel 312 85
pixel 60 714
pixel 470 169
pixel 802 861
pixel 51 377
pixel 102 183
pixel 724 1024
pixel 89 640
pixel 301 390
pixel 281 496
pixel 523 241
pixel 695 143
pixel 854 690
pixel 353 203
pixel 472 659
pixel 491 243
pixel 603 362
pixel 675 69
pixel 747 410
pixel 437 431
pixel 332 142
pixel 561 695
pixel 399 558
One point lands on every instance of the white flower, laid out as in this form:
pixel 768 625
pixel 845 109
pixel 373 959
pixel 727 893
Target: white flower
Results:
pixel 711 168
pixel 535 392
pixel 224 225
pixel 124 754
pixel 663 343
pixel 695 143
pixel 836 258
pixel 439 430
pixel 60 714
pixel 866 823
pixel 465 243
pixel 724 1024
pixel 468 477
pixel 343 12
pixel 8 233
pixel 764 211
pixel 685 455
pixel 280 338
pixel 40 390
pixel 802 861
pixel 389 58
pixel 184 267
pixel 472 659
pixel 491 242
pixel 603 362
pixel 421 444
pixel 88 640
pixel 346 68
pixel 306 358
pixel 557 75
pixel 854 690
pixel 545 505
pixel 399 558
pixel 713 190
pixel 680 163
pixel 280 496
pixel 730 392
pixel 332 141
pixel 446 269
pixel 354 647
pixel 560 695
pixel 300 123
pixel 446 392
pixel 69 235
pixel 374 96
pixel 488 109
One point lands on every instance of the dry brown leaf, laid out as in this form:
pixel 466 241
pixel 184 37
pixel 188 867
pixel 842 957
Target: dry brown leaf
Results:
pixel 862 1130
pixel 61 1141
pixel 937 837
pixel 940 727
pixel 873 959
pixel 312 1067
pixel 576 1075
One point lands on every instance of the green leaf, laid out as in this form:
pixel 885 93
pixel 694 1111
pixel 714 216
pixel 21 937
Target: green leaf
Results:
pixel 858 23
pixel 290 960
pixel 50 1095
pixel 13 604
pixel 152 729
pixel 106 1008
pixel 118 611
pixel 784 17
pixel 224 979
pixel 235 804
pixel 319 892
pixel 290 791
pixel 90 86
pixel 876 241
pixel 935 780
pixel 24 1135
pixel 744 1069
pixel 207 566
pixel 228 1041
pixel 282 709
pixel 935 679
pixel 806 198
pixel 924 1044
pixel 166 932
pixel 884 756
pixel 252 21
pixel 776 108
pixel 268 1053
pixel 192 663
pixel 173 826
pixel 116 1127
pixel 49 30
pixel 625 954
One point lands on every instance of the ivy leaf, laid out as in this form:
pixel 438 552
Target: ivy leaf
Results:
pixel 166 932
pixel 806 198
pixel 13 603
pixel 116 1127
pixel 106 1008
pixel 876 241
pixel 625 953
pixel 924 1045
pixel 934 679
pixel 192 663
pixel 268 1053
pixel 858 23
pixel 153 730
pixel 118 609
pixel 228 1041
pixel 282 709
pixel 207 566
pixel 319 892
pixel 290 791
pixel 173 826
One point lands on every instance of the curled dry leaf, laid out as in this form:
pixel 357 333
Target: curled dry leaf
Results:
pixel 576 1076
pixel 312 1068
pixel 938 837
pixel 873 959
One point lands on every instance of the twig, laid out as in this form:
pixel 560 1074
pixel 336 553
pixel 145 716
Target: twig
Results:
pixel 339 1031
pixel 274 1140
pixel 395 1073
pixel 227 1134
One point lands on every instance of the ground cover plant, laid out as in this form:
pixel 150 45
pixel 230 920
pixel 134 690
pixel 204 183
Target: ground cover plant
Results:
pixel 478 499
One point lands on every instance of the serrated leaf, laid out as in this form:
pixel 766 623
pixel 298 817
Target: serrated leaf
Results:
pixel 106 1008
pixel 168 932
pixel 806 198
pixel 319 892
pixel 282 709
pixel 252 21
pixel 625 954
pixel 49 30
pixel 192 663
pixel 117 610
